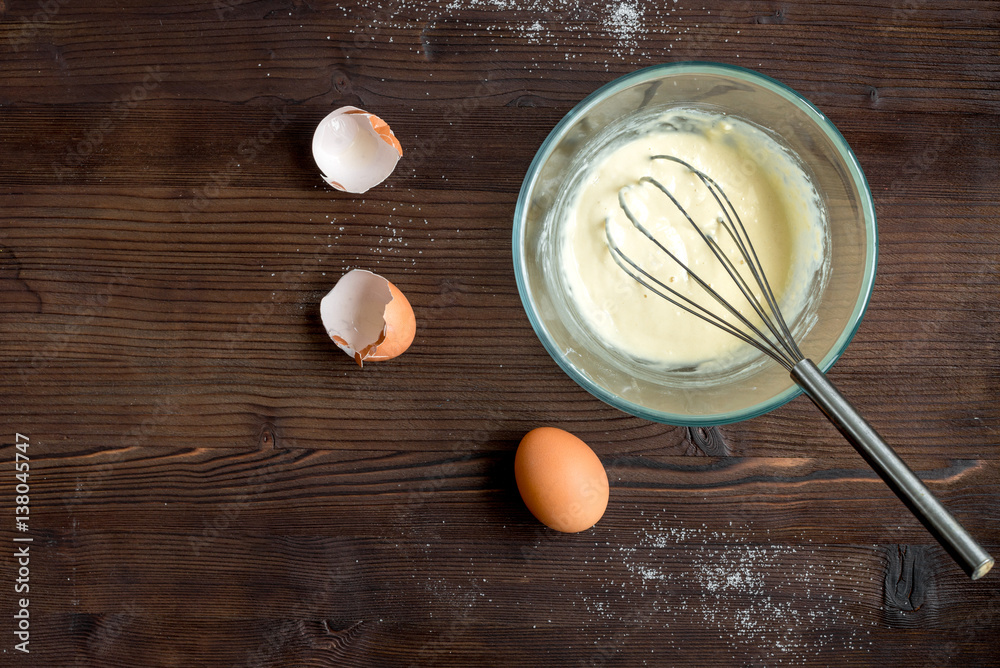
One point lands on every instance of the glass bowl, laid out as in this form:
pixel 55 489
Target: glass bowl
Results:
pixel 836 303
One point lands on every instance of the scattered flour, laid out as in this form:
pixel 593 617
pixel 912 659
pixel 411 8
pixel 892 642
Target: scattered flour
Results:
pixel 625 23
pixel 555 23
pixel 750 595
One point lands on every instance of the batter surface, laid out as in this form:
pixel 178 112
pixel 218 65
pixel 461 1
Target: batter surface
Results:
pixel 773 196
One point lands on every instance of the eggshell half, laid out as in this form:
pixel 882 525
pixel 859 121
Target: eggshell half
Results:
pixel 561 480
pixel 368 317
pixel 355 150
pixel 401 327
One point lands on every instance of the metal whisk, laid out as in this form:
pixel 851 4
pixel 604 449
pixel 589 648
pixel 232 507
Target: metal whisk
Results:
pixel 773 337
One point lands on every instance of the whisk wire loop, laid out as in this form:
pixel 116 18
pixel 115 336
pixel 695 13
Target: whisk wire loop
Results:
pixel 733 224
pixel 737 278
pixel 779 346
pixel 660 289
pixel 657 286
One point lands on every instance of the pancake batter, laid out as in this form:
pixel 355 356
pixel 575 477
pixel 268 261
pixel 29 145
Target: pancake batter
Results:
pixel 773 196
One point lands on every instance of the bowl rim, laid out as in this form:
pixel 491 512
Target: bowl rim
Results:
pixel 672 69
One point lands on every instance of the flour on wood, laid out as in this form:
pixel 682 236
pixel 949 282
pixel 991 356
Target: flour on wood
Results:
pixel 566 24
pixel 769 603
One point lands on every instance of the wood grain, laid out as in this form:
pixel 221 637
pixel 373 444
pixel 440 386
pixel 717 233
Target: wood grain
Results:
pixel 213 483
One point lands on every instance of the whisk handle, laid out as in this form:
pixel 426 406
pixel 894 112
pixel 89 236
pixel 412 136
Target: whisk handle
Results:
pixel 963 547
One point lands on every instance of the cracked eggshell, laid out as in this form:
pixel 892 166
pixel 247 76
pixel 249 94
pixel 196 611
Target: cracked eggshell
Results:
pixel 355 150
pixel 368 317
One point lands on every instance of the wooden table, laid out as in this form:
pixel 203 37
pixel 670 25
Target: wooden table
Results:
pixel 213 483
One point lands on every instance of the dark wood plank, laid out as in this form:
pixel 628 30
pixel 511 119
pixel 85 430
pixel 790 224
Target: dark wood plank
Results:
pixel 269 52
pixel 98 486
pixel 781 568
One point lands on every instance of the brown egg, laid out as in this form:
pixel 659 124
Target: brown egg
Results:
pixel 561 480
